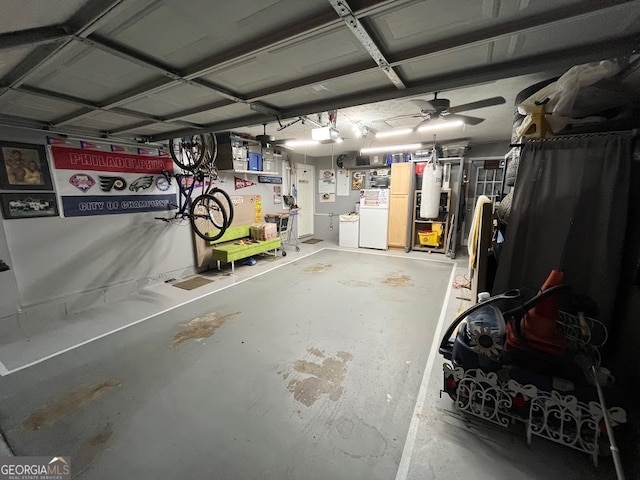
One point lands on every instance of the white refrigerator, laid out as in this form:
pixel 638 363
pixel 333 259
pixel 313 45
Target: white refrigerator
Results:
pixel 374 218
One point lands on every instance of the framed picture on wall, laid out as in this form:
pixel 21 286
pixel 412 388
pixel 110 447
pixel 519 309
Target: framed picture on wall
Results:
pixel 29 205
pixel 357 180
pixel 24 166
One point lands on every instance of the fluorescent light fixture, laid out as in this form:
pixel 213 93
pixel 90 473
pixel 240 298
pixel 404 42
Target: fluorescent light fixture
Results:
pixel 393 148
pixel 301 143
pixel 393 133
pixel 439 126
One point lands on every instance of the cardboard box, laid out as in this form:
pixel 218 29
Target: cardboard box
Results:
pixel 263 231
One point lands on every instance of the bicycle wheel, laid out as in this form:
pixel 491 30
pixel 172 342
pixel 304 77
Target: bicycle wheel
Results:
pixel 188 152
pixel 211 151
pixel 208 217
pixel 224 198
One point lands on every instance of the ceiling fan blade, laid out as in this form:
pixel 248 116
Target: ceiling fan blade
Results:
pixel 282 141
pixel 405 115
pixel 422 124
pixel 468 120
pixel 487 102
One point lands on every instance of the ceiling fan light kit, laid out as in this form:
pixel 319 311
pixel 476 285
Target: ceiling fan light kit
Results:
pixel 428 126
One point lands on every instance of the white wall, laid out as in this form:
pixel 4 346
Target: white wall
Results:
pixel 79 262
pixel 8 285
pixel 342 205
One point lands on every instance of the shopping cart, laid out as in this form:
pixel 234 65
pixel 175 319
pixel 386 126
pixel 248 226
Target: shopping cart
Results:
pixel 286 225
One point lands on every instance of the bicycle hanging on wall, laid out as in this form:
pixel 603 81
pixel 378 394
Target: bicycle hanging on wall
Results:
pixel 211 212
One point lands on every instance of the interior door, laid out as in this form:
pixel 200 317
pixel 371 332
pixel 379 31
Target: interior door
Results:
pixel 305 184
pixel 484 181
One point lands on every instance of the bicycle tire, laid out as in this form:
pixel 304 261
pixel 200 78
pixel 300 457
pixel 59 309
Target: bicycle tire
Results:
pixel 208 217
pixel 211 151
pixel 227 203
pixel 188 152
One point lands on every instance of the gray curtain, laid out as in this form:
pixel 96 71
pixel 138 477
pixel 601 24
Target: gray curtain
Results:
pixel 569 212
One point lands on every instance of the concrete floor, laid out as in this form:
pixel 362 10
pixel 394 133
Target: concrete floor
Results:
pixel 322 366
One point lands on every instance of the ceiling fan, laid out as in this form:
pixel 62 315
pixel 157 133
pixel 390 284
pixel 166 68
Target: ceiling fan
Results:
pixel 441 108
pixel 267 141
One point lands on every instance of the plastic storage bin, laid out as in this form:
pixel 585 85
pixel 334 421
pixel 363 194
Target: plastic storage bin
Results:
pixel 429 238
pixel 255 161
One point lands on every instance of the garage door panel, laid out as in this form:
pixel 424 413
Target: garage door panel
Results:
pixel 90 74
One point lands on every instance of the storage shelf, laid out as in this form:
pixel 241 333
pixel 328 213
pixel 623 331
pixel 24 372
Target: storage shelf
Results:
pixel 254 172
pixel 424 248
pixel 419 223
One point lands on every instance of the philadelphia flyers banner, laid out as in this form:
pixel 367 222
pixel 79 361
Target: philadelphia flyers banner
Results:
pixel 96 182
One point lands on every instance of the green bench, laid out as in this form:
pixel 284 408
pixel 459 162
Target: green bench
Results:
pixel 231 246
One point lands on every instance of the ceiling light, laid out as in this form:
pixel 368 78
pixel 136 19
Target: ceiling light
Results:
pixel 360 130
pixel 301 143
pixel 409 147
pixel 393 133
pixel 439 126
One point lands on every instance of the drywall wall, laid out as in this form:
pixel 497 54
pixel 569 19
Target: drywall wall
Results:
pixel 327 213
pixel 83 261
pixel 8 285
pixel 491 149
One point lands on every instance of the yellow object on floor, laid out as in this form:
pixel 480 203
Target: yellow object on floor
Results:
pixel 429 238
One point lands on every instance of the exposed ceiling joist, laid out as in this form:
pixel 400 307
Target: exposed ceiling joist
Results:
pixel 289 45
pixel 41 92
pixel 301 29
pixel 130 128
pixel 20 122
pixel 504 29
pixel 82 23
pixel 367 41
pixel 90 107
pixel 198 109
pixel 32 37
pixel 92 16
pixel 37 58
pixel 561 58
pixel 304 28
pixel 143 61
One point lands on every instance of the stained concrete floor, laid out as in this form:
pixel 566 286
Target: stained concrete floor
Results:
pixel 312 370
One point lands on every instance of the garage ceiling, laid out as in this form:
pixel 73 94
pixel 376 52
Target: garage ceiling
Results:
pixel 148 70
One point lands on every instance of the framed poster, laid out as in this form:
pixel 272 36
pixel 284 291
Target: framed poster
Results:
pixel 29 205
pixel 357 180
pixel 24 166
pixel 327 181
